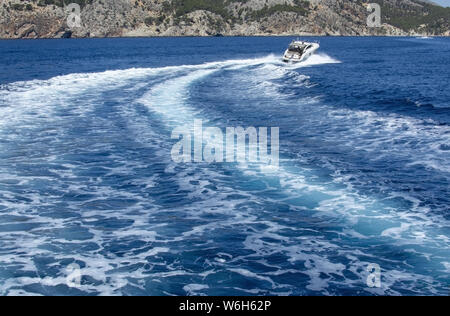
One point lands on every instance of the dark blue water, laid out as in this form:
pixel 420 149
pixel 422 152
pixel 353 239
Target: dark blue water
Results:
pixel 86 175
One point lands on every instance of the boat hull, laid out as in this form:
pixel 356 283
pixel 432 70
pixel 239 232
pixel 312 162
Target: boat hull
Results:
pixel 296 58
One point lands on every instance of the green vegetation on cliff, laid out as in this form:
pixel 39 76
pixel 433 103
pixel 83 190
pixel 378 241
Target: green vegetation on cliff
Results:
pixel 105 18
pixel 62 3
pixel 182 7
pixel 406 17
pixel 300 7
pixel 219 7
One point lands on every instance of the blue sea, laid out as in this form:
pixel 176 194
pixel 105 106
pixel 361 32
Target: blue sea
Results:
pixel 92 203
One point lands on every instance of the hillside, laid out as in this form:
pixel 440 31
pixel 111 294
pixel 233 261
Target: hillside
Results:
pixel 110 18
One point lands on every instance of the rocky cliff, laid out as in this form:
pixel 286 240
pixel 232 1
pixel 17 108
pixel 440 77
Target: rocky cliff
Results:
pixel 111 18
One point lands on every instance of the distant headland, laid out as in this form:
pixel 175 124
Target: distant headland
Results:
pixel 140 18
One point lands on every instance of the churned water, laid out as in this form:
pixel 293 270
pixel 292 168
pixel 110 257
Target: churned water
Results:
pixel 87 178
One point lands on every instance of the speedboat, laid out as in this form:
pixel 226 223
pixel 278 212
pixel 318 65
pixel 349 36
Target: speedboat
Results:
pixel 299 51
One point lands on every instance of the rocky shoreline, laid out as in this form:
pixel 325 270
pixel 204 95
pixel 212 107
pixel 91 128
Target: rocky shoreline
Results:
pixel 30 19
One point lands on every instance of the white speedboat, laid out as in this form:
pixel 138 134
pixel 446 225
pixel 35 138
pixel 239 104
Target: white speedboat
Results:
pixel 299 51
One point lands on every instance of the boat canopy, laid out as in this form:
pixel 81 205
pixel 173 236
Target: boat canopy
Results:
pixel 297 47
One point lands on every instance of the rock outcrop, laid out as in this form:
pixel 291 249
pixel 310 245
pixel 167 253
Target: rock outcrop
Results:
pixel 131 18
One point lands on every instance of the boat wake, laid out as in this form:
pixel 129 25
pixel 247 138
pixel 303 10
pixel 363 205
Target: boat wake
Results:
pixel 87 178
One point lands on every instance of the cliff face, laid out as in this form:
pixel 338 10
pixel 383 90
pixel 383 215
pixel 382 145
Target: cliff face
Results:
pixel 109 18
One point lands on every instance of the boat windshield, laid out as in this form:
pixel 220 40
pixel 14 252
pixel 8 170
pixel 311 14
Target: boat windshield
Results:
pixel 296 49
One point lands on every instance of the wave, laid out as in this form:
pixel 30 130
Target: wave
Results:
pixel 319 228
pixel 316 60
pixel 371 218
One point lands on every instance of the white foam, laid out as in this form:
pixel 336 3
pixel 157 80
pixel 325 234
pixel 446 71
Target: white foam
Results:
pixel 193 289
pixel 334 207
pixel 315 60
pixel 169 98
